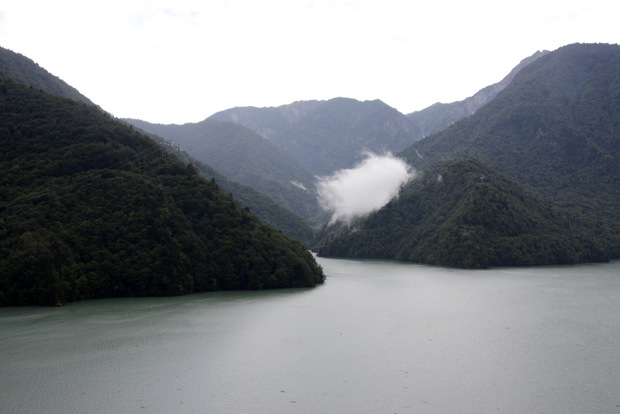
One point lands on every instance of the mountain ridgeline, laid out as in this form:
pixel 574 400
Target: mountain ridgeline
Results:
pixel 526 172
pixel 553 133
pixel 280 151
pixel 90 208
pixel 243 156
pixel 325 136
pixel 321 136
pixel 260 204
pixel 439 116
pixel 555 130
pixel 22 70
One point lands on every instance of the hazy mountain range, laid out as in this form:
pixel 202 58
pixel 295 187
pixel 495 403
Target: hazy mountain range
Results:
pixel 524 172
pixel 242 155
pixel 325 136
pixel 91 208
pixel 553 132
pixel 281 151
pixel 260 204
pixel 309 139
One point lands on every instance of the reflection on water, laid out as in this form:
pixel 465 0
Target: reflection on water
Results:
pixel 378 337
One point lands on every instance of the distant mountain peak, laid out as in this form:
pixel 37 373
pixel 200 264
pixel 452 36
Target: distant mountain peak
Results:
pixel 325 136
pixel 441 115
pixel 553 130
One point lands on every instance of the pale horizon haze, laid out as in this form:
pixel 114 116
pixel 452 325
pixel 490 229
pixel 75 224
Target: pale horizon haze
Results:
pixel 166 61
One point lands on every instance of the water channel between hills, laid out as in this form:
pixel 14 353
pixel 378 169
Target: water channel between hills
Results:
pixel 378 337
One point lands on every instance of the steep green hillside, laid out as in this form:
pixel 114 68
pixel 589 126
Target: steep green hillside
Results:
pixel 441 115
pixel 90 208
pixel 462 214
pixel 259 204
pixel 23 70
pixel 325 136
pixel 244 156
pixel 555 130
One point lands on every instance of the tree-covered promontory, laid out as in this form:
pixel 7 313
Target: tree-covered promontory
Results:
pixel 462 214
pixel 90 208
pixel 555 130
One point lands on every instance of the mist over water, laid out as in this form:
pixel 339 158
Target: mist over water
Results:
pixel 358 191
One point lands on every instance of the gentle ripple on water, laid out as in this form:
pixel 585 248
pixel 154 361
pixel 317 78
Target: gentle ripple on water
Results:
pixel 378 337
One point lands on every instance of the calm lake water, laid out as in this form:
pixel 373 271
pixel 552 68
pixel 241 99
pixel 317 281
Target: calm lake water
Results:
pixel 378 337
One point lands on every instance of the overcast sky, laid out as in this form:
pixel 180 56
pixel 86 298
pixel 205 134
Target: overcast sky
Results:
pixel 176 61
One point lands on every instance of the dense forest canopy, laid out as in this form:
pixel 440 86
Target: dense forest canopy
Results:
pixel 439 116
pixel 463 214
pixel 554 130
pixel 91 208
pixel 259 204
pixel 244 156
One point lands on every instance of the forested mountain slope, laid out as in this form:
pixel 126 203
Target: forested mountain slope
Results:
pixel 23 70
pixel 462 214
pixel 242 155
pixel 259 204
pixel 325 136
pixel 441 115
pixel 555 130
pixel 90 208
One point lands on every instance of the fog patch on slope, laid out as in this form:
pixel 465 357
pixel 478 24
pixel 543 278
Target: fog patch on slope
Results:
pixel 358 191
pixel 299 185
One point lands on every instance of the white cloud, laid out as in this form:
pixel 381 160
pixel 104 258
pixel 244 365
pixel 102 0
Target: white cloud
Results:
pixel 299 185
pixel 358 191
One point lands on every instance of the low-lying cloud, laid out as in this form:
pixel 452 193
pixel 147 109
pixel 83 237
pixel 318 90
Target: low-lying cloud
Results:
pixel 358 191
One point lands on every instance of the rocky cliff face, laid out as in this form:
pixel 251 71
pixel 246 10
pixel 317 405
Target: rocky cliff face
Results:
pixel 439 116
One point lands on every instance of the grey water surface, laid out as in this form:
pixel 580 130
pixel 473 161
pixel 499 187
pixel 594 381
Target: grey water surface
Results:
pixel 378 337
